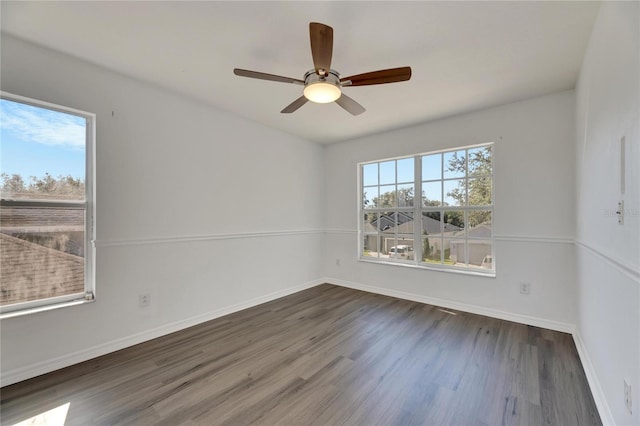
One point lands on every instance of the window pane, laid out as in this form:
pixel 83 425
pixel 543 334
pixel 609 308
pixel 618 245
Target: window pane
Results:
pixel 387 196
pixel 455 193
pixel 402 249
pixel 479 224
pixel 370 197
pixel 387 222
pixel 454 252
pixel 432 167
pixel 405 223
pixel 370 246
pixel 43 153
pixel 42 253
pixel 431 223
pixel 405 240
pixel 432 192
pixel 370 174
pixel 388 172
pixel 480 161
pixel 454 223
pixel 388 241
pixel 405 195
pixel 432 250
pixel 405 170
pixel 480 192
pixel 480 254
pixel 370 223
pixel 455 164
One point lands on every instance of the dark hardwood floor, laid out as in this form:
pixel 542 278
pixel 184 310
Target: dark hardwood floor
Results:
pixel 327 355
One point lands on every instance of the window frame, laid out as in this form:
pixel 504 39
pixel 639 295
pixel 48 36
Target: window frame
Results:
pixel 418 209
pixel 88 205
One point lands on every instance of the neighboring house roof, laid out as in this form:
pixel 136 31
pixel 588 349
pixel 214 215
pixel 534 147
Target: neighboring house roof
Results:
pixel 430 226
pixel 31 271
pixel 63 226
pixel 480 231
pixel 387 221
pixel 22 219
pixel 369 228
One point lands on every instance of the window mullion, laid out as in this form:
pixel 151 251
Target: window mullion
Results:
pixel 417 209
pixel 43 203
pixel 396 207
pixel 443 209
pixel 467 252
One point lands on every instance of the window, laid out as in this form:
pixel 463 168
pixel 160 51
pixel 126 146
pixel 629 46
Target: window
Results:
pixel 449 226
pixel 46 205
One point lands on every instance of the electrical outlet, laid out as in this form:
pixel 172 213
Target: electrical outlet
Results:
pixel 627 396
pixel 525 288
pixel 144 300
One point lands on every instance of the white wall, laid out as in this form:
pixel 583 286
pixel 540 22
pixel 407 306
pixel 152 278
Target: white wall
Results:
pixel 204 210
pixel 607 254
pixel 533 221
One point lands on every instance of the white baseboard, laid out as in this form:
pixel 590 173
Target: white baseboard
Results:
pixel 594 384
pixel 37 369
pixel 474 309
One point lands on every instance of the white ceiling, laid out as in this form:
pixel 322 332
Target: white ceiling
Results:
pixel 464 55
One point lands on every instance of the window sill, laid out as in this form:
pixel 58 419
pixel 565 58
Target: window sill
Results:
pixel 490 274
pixel 38 309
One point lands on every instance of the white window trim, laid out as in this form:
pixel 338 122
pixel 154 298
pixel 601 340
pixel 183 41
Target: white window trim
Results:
pixel 417 211
pixel 89 204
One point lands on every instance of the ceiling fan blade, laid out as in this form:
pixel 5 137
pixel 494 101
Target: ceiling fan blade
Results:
pixel 265 76
pixel 351 106
pixel 392 75
pixel 293 106
pixel 321 36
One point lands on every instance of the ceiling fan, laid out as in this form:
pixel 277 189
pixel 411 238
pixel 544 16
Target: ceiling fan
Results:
pixel 324 85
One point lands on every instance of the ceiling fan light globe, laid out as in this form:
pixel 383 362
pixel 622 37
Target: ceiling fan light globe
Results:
pixel 322 92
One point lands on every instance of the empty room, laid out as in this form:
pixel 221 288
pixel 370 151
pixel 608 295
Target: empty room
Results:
pixel 320 213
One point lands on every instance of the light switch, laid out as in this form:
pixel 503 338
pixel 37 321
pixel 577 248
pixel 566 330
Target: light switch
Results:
pixel 620 212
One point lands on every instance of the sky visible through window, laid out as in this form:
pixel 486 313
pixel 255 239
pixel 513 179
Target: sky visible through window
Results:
pixel 431 169
pixel 35 141
pixel 441 174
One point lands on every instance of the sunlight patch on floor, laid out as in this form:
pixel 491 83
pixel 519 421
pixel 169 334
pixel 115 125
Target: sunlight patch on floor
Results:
pixel 54 417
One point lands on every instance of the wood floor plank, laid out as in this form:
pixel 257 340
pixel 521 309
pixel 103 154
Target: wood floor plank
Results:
pixel 327 355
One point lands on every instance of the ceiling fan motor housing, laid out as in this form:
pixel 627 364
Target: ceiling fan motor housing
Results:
pixel 322 89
